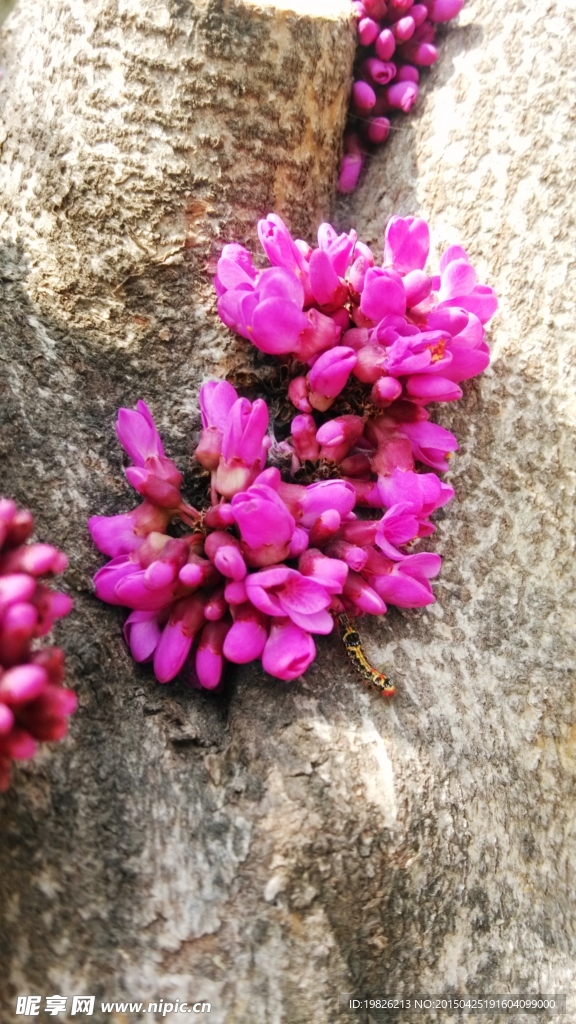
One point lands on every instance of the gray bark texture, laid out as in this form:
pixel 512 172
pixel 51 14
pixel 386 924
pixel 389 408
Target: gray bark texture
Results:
pixel 274 846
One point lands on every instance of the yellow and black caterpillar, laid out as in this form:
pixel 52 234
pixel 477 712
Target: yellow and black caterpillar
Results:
pixel 351 640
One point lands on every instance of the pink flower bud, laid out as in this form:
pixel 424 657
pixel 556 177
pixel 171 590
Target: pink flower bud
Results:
pixel 330 572
pixel 355 557
pixel 303 431
pixel 224 551
pixel 349 174
pixel 22 683
pixel 266 526
pixel 219 516
pixel 6 719
pixel 385 391
pixel 118 535
pixel 18 628
pixel 324 528
pixel 404 29
pixel 209 448
pixel 164 570
pixel 18 527
pixel 423 54
pixel 279 245
pixel 375 9
pixel 329 375
pixel 420 12
pixel 378 71
pixel 356 466
pixel 385 44
pixel 324 282
pixel 198 572
pixel 321 332
pixel 15 588
pixel 186 618
pixel 393 453
pixel 383 294
pixel 35 559
pixel 142 633
pixel 398 8
pixel 417 286
pixel 378 129
pixel 209 656
pixel 363 97
pixel 159 481
pixel 407 243
pixel 367 31
pixel 426 388
pixel 248 635
pixel 408 73
pixel 356 279
pixel 363 597
pixel 341 318
pixel 216 606
pixel 298 394
pixel 299 543
pixel 362 532
pixel 371 360
pixel 445 10
pixel 338 436
pixel 402 95
pixel 289 650
pixel 235 592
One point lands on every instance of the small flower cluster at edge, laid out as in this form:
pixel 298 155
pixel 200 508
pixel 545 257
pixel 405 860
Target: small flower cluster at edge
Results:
pixel 396 38
pixel 34 706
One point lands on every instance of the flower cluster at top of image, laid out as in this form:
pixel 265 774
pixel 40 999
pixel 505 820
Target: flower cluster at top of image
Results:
pixel 34 706
pixel 278 550
pixel 396 38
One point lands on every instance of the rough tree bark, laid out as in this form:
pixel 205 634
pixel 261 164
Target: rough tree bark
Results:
pixel 271 848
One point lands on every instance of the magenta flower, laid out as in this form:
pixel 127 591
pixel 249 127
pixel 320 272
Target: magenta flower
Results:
pixel 407 583
pixel 280 592
pixel 458 286
pixel 280 247
pixel 118 535
pixel 289 650
pixel 383 294
pixel 329 375
pixel 338 436
pixel 235 269
pixel 34 706
pixel 407 244
pixel 175 642
pixel 243 447
pixel 247 637
pixel 210 654
pixel 138 435
pixel 266 526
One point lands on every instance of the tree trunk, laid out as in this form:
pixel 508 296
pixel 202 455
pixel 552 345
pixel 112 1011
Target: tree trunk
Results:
pixel 139 137
pixel 281 844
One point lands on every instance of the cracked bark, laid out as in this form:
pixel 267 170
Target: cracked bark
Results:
pixel 272 847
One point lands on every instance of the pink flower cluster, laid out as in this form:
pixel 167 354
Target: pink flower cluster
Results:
pixel 34 706
pixel 396 38
pixel 266 565
pixel 408 336
pixel 269 562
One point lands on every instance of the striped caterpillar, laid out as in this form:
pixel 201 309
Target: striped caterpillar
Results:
pixel 353 645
